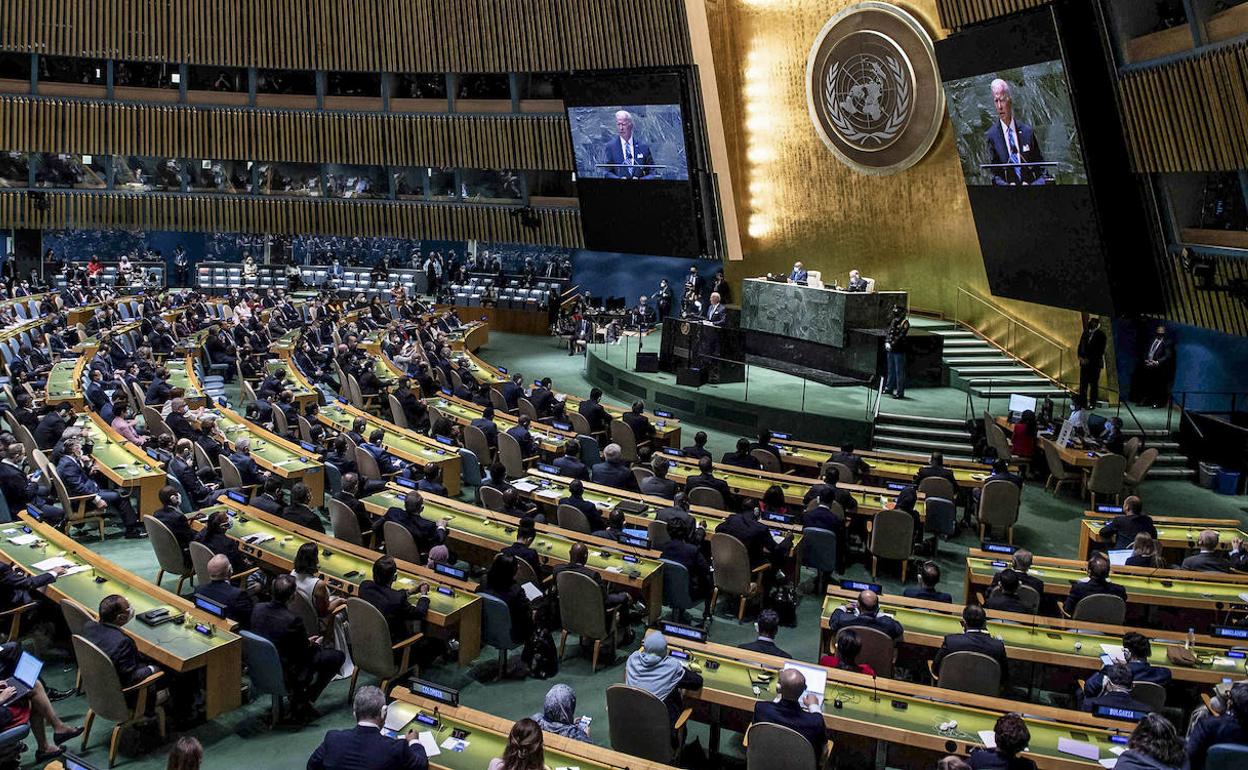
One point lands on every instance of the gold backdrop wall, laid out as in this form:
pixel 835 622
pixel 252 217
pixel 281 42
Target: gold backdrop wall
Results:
pixel 911 230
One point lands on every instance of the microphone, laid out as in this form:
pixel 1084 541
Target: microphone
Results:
pixel 875 692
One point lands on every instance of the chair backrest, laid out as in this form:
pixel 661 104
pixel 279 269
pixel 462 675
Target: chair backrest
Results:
pixel 998 503
pixel 1053 459
pixel 371 645
pixel 580 423
pixel 639 723
pixel 776 747
pixel 100 681
pixel 677 586
pixel 76 616
pixel 819 549
pixel 732 564
pixel 202 461
pixel 366 464
pixel 622 434
pixel 303 609
pixel 572 518
pixel 1029 596
pixel 847 475
pixel 474 439
pixel 935 486
pixel 1151 694
pixel 640 474
pixel 280 425
pixel 1130 449
pixel 41 461
pixel 396 411
pixel 342 520
pixel 997 440
pixel 469 467
pixel 399 542
pixel 705 496
pixel 591 450
pixel 767 460
pixel 1108 474
pixel 939 515
pixel 264 665
pixel 1226 756
pixel 495 623
pixel 581 609
pixel 230 477
pixel 168 552
pixel 510 456
pixel 1141 466
pixel 525 573
pixel 656 533
pixel 200 554
pixel 305 428
pixel 970 672
pixel 500 403
pixel 245 391
pixel 527 409
pixel 878 650
pixel 492 499
pixel 333 479
pixel 892 534
pixel 1101 608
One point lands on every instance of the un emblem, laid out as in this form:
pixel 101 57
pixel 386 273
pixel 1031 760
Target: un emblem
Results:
pixel 873 89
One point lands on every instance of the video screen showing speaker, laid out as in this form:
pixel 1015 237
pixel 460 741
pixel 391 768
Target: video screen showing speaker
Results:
pixel 630 137
pixel 1032 102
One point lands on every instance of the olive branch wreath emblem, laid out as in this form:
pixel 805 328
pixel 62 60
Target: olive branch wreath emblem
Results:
pixel 896 119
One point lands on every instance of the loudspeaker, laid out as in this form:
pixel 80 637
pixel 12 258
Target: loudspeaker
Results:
pixel 691 376
pixel 647 362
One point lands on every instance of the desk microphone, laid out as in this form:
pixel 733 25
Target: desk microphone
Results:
pixel 875 693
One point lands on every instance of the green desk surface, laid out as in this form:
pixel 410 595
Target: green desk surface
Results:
pixel 1045 639
pixel 1174 533
pixel 794 491
pixel 109 452
pixel 179 377
pixel 1058 580
pixel 503 532
pixel 180 641
pixel 294 385
pixel 287 340
pixel 93 340
pixel 394 440
pixel 922 714
pixel 262 446
pixel 336 563
pixel 884 467
pixel 466 413
pixel 61 383
pixel 13 330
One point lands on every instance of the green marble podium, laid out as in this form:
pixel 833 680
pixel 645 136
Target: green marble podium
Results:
pixel 821 316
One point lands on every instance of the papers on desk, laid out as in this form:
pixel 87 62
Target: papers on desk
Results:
pixel 256 538
pixel 778 538
pixel 76 570
pixel 23 539
pixel 524 485
pixel 1244 596
pixel 1119 558
pixel 550 494
pixel 396 720
pixel 1109 762
pixel 531 591
pixel 1078 748
pixel 454 744
pixel 1114 652
pixel 988 738
pixel 616 570
pixel 816 680
pixel 53 563
pixel 429 743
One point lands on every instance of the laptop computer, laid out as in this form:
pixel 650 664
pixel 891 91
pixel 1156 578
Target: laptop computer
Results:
pixel 25 676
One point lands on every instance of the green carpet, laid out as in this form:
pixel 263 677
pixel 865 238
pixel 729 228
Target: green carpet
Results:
pixel 239 739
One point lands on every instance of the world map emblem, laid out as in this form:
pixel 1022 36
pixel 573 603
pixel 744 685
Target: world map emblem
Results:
pixel 873 90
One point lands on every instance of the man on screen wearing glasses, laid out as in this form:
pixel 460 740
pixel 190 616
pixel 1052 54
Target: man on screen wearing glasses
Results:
pixel 627 158
pixel 1012 141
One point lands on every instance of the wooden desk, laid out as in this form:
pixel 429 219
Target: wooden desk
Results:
pixel 300 388
pixel 907 716
pixel 64 383
pixel 548 439
pixel 1074 455
pixel 124 464
pixel 890 466
pixel 344 566
pixel 485 533
pixel 177 647
pixel 1176 533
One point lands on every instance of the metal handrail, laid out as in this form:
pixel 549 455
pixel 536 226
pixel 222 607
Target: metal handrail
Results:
pixel 1012 325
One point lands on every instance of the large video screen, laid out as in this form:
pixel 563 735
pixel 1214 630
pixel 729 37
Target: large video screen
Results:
pixel 631 136
pixel 629 142
pixel 1016 127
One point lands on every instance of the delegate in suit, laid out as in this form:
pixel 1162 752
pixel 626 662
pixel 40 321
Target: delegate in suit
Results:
pixel 1012 141
pixel 627 158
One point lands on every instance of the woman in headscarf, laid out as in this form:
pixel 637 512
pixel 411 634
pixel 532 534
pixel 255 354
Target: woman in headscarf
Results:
pixel 559 714
pixel 653 670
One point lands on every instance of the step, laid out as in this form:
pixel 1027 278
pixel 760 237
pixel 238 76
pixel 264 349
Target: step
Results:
pixel 955 334
pixel 1052 392
pixel 1169 460
pixel 887 417
pixel 939 433
pixel 1017 379
pixel 990 371
pixel 992 358
pixel 927 442
pixel 970 344
pixel 1170 474
pixel 950 450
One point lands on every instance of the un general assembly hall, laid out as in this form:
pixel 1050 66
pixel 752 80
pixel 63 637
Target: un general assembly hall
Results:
pixel 624 384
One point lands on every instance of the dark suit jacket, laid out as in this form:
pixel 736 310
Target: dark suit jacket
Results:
pixel 1123 529
pixel 175 520
pixel 1028 152
pixel 49 430
pixel 1118 700
pixel 511 394
pixel 739 460
pixel 1003 602
pixel 693 560
pixel 1140 669
pixel 267 504
pixel 424 532
pixel 1092 347
pixel 665 488
pixel 178 423
pixel 823 518
pixel 394 605
pixel 1089 587
pixel 17 488
pixel 77 482
pixel 974 641
pixel 586 507
pixel 1207 562
pixel 120 649
pixel 615 154
pixel 756 537
pixel 186 475
pixel 615 475
pixel 365 748
pixel 248 471
pixel 696 452
pixel 572 468
pixel 700 480
pixel 237 602
pixel 766 647
pixel 847 619
pixel 989 759
pixel 488 427
pixel 286 631
pixel 1209 732
pixel 16 587
pixel 642 429
pixel 304 517
pixel 790 714
pixel 941 472
pixel 528 447
pixel 595 414
pixel 922 592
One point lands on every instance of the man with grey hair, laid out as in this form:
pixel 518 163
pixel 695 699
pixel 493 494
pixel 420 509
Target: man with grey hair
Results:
pixel 76 471
pixel 613 471
pixel 235 603
pixel 796 709
pixel 248 471
pixel 364 747
pixel 659 485
pixel 627 158
pixel 176 420
pixel 1012 144
pixel 1207 558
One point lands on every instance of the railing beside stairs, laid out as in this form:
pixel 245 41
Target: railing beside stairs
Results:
pixel 1036 349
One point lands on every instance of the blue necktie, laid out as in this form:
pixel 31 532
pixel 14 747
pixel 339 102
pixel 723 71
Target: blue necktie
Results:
pixel 1014 157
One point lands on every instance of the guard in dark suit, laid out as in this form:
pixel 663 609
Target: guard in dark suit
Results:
pixel 236 602
pixel 106 634
pixel 1097 583
pixel 594 413
pixel 307 666
pixel 768 625
pixel 1152 376
pixel 793 711
pixel 865 612
pixel 1012 141
pixel 363 747
pixel 1091 354
pixel 974 638
pixel 1123 529
pixel 394 603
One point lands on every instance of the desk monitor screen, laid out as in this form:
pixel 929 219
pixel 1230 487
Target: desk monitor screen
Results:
pixel 449 571
pixel 1020 404
pixel 1118 558
pixel 209 606
pixel 858 585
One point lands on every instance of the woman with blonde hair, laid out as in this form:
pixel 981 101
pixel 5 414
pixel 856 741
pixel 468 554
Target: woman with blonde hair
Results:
pixel 1145 552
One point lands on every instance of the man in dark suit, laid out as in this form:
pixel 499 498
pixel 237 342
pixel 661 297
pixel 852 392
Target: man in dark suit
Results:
pixel 636 419
pixel 626 157
pixel 1230 727
pixel 1208 558
pixel 512 391
pixel 1006 597
pixel 1091 354
pixel 106 633
pixel 856 282
pixel 526 533
pixel 485 423
pixel 1152 385
pixel 613 471
pixel 578 557
pixel 414 410
pixel 822 516
pixel 543 397
pixel 18 490
pixel 393 603
pixel 716 315
pixel 53 424
pixel 1136 650
pixel 929 578
pixel 431 480
pixel 235 602
pixel 742 457
pixel 698 450
pixel 1122 529
pixel 528 447
pixel 594 413
pixel 18 588
pixel 569 462
pixel 76 470
pixel 1097 583
pixel 705 478
pixel 182 468
pixel 363 747
pixel 936 468
pixel 170 514
pixel 796 710
pixel 177 421
pixel 95 394
pixel 576 499
pixel 269 499
pixel 974 638
pixel 307 666
pixel 768 625
pixel 1021 564
pixel 582 333
pixel 1012 143
pixel 158 392
pixel 248 471
pixel 658 485
pixel 864 612
pixel 1116 691
pixel 426 533
pixel 832 477
pixel 845 456
pixel 759 544
pixel 798 274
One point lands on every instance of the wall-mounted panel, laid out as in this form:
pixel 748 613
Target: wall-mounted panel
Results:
pixel 955 14
pixel 1221 305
